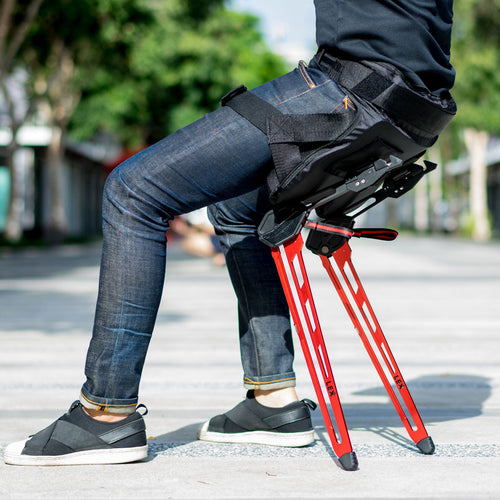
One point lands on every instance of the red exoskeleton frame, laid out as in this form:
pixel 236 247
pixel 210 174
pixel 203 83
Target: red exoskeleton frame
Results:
pixel 290 264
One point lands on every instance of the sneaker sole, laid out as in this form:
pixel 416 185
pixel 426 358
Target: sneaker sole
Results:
pixel 13 456
pixel 285 439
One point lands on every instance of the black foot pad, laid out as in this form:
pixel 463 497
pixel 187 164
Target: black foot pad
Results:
pixel 349 461
pixel 426 446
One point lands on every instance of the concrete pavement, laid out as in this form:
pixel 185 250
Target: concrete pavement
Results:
pixel 436 299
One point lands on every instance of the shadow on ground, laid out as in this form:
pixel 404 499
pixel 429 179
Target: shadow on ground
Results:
pixel 439 398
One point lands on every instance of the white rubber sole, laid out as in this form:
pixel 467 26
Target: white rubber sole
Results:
pixel 12 456
pixel 286 439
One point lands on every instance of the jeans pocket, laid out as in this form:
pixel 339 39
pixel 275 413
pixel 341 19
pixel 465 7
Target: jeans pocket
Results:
pixel 302 67
pixel 322 85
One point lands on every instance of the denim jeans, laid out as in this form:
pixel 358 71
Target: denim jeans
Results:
pixel 220 160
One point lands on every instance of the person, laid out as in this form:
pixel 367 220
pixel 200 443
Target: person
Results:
pixel 198 236
pixel 222 161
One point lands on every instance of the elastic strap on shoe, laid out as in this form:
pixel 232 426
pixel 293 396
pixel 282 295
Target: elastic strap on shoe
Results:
pixel 287 417
pixel 124 431
pixel 244 417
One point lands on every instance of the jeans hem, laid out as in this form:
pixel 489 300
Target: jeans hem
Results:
pixel 275 383
pixel 104 405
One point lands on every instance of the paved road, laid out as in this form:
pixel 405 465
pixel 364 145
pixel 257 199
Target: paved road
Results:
pixel 437 301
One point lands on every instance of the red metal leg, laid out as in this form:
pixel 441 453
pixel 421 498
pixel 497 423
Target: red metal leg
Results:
pixel 293 275
pixel 354 298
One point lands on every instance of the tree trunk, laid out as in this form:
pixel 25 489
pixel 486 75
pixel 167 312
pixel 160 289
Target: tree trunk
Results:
pixel 13 230
pixel 476 142
pixel 62 100
pixel 56 226
pixel 421 206
pixel 436 190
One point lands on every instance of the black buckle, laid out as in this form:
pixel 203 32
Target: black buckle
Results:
pixel 319 55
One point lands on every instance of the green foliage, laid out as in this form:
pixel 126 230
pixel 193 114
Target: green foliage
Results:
pixel 95 31
pixel 486 14
pixel 476 58
pixel 199 10
pixel 177 70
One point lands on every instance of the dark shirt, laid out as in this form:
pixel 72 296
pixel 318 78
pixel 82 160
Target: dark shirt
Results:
pixel 412 35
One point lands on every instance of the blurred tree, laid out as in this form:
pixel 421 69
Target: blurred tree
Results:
pixel 16 19
pixel 137 68
pixel 178 70
pixel 476 57
pixel 62 43
pixel 69 41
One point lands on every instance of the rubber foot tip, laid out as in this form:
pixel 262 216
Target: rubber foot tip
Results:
pixel 426 446
pixel 349 461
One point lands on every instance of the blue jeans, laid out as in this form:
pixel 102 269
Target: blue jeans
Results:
pixel 220 160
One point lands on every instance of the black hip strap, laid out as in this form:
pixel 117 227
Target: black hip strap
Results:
pixel 251 107
pixel 407 107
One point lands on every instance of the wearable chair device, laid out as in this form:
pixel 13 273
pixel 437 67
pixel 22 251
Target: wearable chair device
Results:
pixel 337 166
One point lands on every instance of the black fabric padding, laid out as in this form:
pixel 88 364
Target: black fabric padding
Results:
pixel 314 154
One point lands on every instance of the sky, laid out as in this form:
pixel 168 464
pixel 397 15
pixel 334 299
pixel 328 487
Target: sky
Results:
pixel 287 25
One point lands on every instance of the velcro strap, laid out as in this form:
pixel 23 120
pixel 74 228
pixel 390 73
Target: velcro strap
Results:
pixel 251 107
pixel 321 127
pixel 287 133
pixel 400 102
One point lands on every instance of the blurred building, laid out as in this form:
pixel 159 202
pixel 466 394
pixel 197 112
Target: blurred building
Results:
pixel 84 171
pixel 461 169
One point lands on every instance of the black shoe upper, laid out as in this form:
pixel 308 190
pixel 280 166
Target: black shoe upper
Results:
pixel 250 415
pixel 76 431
